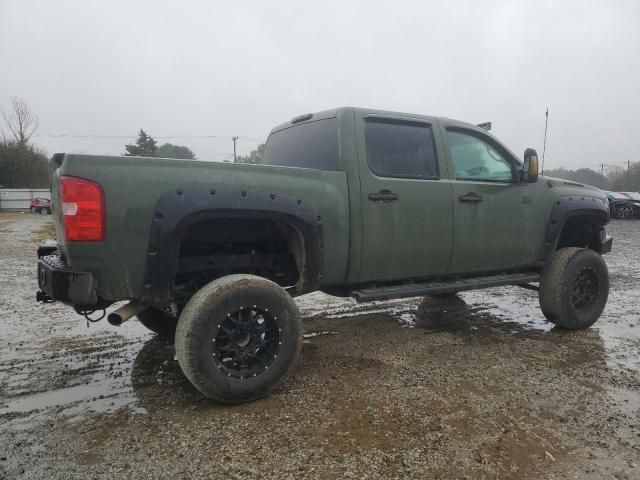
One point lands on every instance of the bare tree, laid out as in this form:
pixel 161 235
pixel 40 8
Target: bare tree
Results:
pixel 22 124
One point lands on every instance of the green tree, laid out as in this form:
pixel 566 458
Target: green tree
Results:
pixel 255 156
pixel 168 150
pixel 23 166
pixel 145 146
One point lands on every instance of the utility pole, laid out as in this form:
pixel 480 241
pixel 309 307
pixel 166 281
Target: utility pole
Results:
pixel 235 158
pixel 602 173
pixel 544 145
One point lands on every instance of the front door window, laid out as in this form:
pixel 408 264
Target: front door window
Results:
pixel 474 159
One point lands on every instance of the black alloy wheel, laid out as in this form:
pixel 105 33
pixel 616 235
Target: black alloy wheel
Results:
pixel 247 343
pixel 624 212
pixel 586 289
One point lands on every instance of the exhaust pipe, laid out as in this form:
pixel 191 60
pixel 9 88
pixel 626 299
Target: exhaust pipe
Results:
pixel 124 313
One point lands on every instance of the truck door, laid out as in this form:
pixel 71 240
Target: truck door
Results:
pixel 407 199
pixel 499 224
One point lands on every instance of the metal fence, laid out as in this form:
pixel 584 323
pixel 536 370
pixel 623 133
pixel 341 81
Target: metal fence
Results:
pixel 20 198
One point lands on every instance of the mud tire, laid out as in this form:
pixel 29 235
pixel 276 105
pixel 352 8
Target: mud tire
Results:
pixel 561 294
pixel 201 325
pixel 159 321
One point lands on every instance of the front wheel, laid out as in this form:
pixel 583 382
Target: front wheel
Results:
pixel 237 338
pixel 574 288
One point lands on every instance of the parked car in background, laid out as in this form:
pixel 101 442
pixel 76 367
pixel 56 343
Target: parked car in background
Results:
pixel 622 205
pixel 41 206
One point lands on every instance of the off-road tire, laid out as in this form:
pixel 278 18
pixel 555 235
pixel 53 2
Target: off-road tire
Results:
pixel 562 288
pixel 159 321
pixel 203 323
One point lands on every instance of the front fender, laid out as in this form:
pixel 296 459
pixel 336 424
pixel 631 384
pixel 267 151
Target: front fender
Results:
pixel 566 207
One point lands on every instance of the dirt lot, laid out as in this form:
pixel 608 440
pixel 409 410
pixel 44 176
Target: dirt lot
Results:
pixel 476 387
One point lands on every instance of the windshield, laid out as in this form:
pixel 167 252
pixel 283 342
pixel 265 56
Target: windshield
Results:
pixel 307 145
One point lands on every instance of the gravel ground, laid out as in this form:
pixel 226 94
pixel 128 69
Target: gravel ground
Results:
pixel 479 386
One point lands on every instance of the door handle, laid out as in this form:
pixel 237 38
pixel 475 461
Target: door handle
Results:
pixel 383 196
pixel 470 197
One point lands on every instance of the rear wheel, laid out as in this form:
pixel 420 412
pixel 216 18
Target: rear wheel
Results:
pixel 159 321
pixel 574 288
pixel 238 337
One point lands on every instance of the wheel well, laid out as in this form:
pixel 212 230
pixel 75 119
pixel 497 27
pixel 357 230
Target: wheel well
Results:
pixel 580 231
pixel 213 248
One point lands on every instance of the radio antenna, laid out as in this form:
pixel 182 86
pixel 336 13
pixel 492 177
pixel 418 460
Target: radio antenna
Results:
pixel 544 145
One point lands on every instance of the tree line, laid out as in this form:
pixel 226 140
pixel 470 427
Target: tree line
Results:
pixel 147 146
pixel 21 164
pixel 620 181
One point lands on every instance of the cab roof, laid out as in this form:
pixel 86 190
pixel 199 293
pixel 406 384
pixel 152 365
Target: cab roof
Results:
pixel 363 112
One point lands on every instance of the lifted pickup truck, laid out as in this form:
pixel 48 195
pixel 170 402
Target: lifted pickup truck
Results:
pixel 353 202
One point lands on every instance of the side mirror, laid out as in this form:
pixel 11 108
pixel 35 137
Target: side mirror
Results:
pixel 530 167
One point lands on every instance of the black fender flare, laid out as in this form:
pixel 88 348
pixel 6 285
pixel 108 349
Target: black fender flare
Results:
pixel 177 210
pixel 566 207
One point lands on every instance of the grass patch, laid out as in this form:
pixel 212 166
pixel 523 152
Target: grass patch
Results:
pixel 10 216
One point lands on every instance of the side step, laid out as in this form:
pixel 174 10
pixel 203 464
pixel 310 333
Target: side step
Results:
pixel 437 288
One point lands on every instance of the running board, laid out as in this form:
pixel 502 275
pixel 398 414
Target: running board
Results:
pixel 438 288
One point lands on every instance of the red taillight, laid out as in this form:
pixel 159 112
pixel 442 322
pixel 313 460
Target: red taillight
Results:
pixel 82 208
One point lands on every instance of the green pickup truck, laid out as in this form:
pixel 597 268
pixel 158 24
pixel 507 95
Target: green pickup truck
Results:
pixel 353 202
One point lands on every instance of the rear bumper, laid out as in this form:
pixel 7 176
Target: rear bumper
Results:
pixel 59 282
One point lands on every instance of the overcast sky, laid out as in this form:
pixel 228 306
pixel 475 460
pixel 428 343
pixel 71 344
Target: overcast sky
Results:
pixel 240 67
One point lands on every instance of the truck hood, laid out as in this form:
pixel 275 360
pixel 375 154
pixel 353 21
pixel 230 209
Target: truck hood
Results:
pixel 560 182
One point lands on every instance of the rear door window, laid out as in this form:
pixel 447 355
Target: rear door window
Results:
pixel 307 145
pixel 399 149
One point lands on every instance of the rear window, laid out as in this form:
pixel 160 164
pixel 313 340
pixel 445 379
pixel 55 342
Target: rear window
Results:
pixel 402 150
pixel 307 145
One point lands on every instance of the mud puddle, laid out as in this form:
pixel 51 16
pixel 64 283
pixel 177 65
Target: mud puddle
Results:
pixel 477 385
